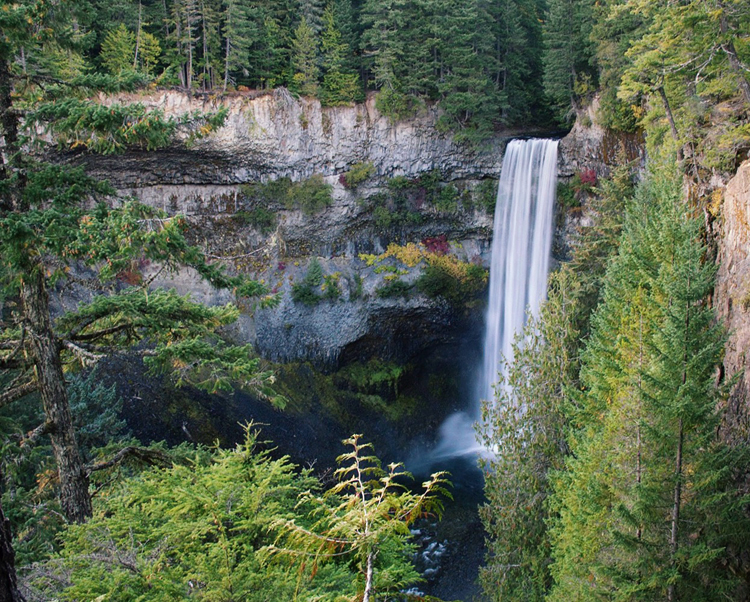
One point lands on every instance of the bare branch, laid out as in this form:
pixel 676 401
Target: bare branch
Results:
pixel 17 393
pixel 87 358
pixel 148 456
pixel 91 336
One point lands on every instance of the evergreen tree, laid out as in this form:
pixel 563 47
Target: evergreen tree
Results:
pixel 340 85
pixel 197 529
pixel 466 90
pixel 240 30
pixel 55 220
pixel 525 425
pixel 312 12
pixel 305 60
pixel 118 50
pixel 567 53
pixel 627 503
pixel 366 515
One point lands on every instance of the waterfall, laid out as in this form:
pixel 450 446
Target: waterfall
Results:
pixel 520 250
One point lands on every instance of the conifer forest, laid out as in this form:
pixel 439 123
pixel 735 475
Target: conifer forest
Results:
pixel 160 275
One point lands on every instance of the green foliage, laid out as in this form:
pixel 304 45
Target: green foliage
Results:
pixel 366 516
pixel 440 279
pixel 331 287
pixel 340 84
pixel 29 496
pixel 311 195
pixel 261 218
pixel 116 127
pixel 304 60
pixel 486 195
pixel 195 529
pixel 396 105
pixel 525 424
pixel 358 173
pixel 566 196
pixel 394 288
pixel 307 290
pixel 118 50
pixel 644 425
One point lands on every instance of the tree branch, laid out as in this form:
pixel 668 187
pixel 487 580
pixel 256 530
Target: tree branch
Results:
pixel 148 456
pixel 17 393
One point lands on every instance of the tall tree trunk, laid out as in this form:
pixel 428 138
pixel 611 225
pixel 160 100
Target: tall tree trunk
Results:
pixel 138 37
pixel 9 121
pixel 676 502
pixel 226 58
pixel 369 577
pixel 8 582
pixel 670 118
pixel 74 482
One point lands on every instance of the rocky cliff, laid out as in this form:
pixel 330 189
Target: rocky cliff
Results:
pixel 420 185
pixel 733 295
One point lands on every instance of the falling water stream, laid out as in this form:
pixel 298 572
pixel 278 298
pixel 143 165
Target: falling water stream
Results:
pixel 518 275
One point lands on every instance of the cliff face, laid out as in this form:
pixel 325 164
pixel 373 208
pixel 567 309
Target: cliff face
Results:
pixel 275 136
pixel 733 295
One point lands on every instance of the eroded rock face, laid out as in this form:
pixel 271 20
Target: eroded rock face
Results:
pixel 276 135
pixel 271 136
pixel 733 295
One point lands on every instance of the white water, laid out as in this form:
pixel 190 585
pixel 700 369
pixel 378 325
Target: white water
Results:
pixel 521 248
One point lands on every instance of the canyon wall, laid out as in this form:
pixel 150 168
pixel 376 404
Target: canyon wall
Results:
pixel 272 136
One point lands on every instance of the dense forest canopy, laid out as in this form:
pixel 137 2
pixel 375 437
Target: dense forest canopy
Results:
pixel 612 480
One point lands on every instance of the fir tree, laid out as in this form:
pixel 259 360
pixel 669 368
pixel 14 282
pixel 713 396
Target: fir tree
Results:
pixel 627 504
pixel 118 50
pixel 305 60
pixel 340 85
pixel 55 220
pixel 525 425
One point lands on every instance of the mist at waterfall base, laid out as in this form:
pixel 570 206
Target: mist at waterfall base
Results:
pixel 521 248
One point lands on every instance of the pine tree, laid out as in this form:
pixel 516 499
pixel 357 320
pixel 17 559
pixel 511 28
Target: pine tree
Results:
pixel 54 219
pixel 305 60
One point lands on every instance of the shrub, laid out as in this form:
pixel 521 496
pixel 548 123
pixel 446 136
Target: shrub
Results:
pixel 395 288
pixel 397 105
pixel 331 288
pixel 311 195
pixel 454 280
pixel 486 195
pixel 437 244
pixel 566 196
pixel 358 173
pixel 260 218
pixel 306 290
